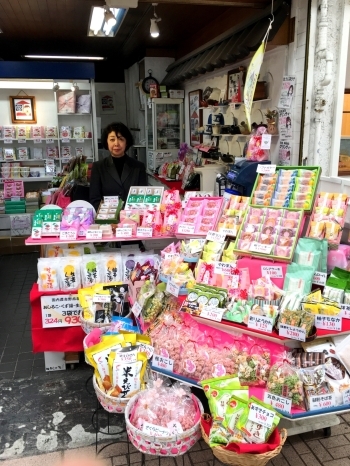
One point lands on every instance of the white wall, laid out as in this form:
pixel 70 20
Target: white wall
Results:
pixel 272 71
pixel 120 113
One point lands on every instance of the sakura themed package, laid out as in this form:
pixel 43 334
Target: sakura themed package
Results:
pixel 37 132
pixel 66 101
pixel 200 215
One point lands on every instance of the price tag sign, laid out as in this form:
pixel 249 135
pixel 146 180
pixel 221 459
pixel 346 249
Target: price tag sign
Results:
pixel 272 271
pixel 266 141
pixel 155 431
pixel 264 324
pixel 224 268
pixel 101 298
pixel 144 232
pixel 329 322
pixel 228 231
pixel 278 402
pixel 266 169
pixel 136 309
pixel 49 141
pixel 15 198
pixel 123 232
pixel 172 288
pixel 170 256
pixel 111 199
pixel 218 237
pixel 94 234
pixel 345 311
pixel 212 313
pixel 80 140
pixel 8 141
pixel 346 396
pixel 37 141
pixel 260 248
pixel 66 140
pixel 320 278
pixel 60 311
pixel 294 333
pixel 321 401
pixel 21 140
pixel 69 235
pixel 261 415
pixel 186 229
pixel 166 364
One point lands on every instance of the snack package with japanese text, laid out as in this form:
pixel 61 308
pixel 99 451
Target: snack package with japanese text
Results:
pixel 284 381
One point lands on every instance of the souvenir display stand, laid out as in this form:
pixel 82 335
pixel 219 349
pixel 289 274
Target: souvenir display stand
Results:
pixel 266 255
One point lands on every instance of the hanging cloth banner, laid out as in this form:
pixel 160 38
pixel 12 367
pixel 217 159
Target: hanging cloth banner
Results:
pixel 253 74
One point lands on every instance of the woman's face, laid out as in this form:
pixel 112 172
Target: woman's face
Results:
pixel 116 144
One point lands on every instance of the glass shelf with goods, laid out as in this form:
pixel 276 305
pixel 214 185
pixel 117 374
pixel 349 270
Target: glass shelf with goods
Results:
pixel 231 104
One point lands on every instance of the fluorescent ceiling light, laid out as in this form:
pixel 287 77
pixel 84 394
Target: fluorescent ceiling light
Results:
pixel 63 57
pixel 105 21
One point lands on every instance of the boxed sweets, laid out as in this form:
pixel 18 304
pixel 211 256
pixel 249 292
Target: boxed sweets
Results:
pixel 22 153
pixel 9 153
pixel 79 151
pixel 66 101
pixel 108 212
pixel 328 218
pixel 269 232
pixel 9 132
pixel 79 132
pixel 200 215
pixel 289 187
pixel 66 132
pixel 51 132
pixel 83 103
pixel 22 132
pixel 52 152
pixel 144 197
pixel 37 132
pixel 232 214
pixel 66 152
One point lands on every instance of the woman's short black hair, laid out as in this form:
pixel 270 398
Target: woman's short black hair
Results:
pixel 117 128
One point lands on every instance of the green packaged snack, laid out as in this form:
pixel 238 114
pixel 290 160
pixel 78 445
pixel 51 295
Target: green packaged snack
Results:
pixel 257 421
pixel 308 253
pixel 340 273
pixel 218 434
pixel 226 382
pixel 234 411
pixel 299 278
pixel 238 311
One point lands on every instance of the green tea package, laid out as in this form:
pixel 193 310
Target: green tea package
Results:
pixel 335 288
pixel 234 411
pixel 308 251
pixel 299 278
pixel 258 421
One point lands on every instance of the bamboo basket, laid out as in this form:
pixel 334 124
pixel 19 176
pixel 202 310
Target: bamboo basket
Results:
pixel 245 459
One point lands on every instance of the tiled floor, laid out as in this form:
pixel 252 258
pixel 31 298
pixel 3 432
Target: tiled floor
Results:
pixel 46 417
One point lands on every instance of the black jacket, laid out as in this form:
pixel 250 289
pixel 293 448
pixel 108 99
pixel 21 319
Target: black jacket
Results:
pixel 105 180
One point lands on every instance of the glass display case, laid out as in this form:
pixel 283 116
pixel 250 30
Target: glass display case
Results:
pixel 164 131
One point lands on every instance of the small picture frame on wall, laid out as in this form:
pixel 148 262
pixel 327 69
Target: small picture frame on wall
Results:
pixel 195 114
pixel 23 109
pixel 235 81
pixel 107 102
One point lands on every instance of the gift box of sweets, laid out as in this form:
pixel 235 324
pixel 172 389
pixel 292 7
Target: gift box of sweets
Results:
pixel 288 187
pixel 328 218
pixel 232 214
pixel 269 232
pixel 144 197
pixel 199 216
pixel 108 211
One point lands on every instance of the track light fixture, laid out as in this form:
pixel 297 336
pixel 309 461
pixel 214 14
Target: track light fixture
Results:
pixel 55 87
pixel 74 87
pixel 154 30
pixel 109 18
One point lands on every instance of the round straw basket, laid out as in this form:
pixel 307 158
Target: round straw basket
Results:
pixel 88 326
pixel 111 404
pixel 245 459
pixel 164 446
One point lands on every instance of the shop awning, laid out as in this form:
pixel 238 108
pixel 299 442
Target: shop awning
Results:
pixel 230 47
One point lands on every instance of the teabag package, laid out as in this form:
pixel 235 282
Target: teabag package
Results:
pixel 299 278
pixel 312 252
pixel 69 273
pixel 48 273
pixel 91 270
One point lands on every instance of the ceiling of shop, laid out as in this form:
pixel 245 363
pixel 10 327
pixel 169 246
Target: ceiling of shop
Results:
pixel 59 27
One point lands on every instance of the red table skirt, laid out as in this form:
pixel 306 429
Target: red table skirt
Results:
pixel 171 184
pixel 63 339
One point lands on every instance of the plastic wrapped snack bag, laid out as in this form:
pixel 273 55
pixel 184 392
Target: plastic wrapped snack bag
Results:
pixel 69 273
pixel 91 270
pixel 284 381
pixel 48 274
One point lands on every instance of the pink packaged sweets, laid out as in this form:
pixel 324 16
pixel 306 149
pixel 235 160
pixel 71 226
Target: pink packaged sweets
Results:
pixel 171 219
pixel 66 101
pixel 37 132
pixel 171 197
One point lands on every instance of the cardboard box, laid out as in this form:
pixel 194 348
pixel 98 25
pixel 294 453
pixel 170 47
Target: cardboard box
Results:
pixel 54 361
pixel 176 94
pixel 21 224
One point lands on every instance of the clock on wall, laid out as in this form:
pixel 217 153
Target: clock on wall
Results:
pixel 148 81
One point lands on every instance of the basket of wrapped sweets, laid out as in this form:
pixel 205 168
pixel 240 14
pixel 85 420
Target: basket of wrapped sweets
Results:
pixel 164 421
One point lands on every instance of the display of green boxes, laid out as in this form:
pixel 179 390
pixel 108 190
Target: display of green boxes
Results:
pixel 300 194
pixel 15 207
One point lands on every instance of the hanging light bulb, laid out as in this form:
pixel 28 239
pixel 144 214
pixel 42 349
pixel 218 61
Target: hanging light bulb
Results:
pixel 74 87
pixel 154 30
pixel 55 87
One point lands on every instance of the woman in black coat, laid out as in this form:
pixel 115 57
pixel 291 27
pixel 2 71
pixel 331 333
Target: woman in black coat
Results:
pixel 114 175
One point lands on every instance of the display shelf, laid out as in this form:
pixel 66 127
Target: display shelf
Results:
pixel 75 139
pixel 29 179
pixel 74 114
pixel 231 104
pixel 43 139
pixel 55 240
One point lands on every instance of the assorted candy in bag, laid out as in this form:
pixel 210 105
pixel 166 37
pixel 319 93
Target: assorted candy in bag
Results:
pixel 254 368
pixel 284 381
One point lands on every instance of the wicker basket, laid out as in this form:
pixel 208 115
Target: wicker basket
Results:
pixel 165 446
pixel 245 459
pixel 88 326
pixel 111 404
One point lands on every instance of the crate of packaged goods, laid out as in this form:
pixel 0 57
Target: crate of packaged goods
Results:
pixel 199 216
pixel 288 187
pixel 176 94
pixel 269 232
pixel 108 212
pixel 144 197
pixel 232 214
pixel 328 218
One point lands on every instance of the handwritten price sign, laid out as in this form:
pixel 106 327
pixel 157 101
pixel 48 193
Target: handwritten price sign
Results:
pixel 60 311
pixel 273 271
pixel 260 248
pixel 172 288
pixel 224 268
pixel 212 313
pixel 278 402
pixel 320 278
pixel 123 232
pixel 345 311
pixel 328 322
pixel 264 324
pixel 186 228
pixel 321 402
pixel 266 169
pixel 294 333
pixel 163 363
pixel 144 232
pixel 261 415
pixel 216 236
pixel 94 234
pixel 69 235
